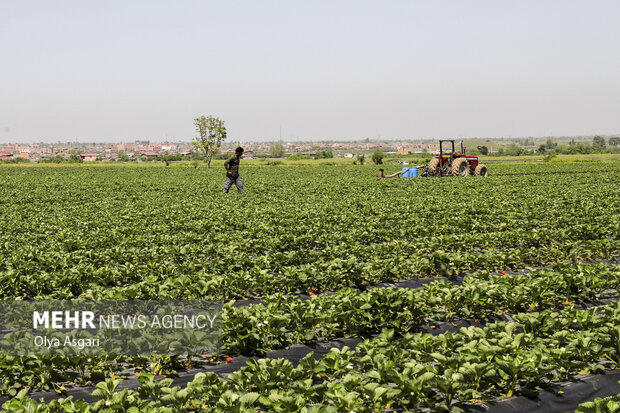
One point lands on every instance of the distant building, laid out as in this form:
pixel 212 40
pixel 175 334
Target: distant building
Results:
pixel 348 155
pixel 88 157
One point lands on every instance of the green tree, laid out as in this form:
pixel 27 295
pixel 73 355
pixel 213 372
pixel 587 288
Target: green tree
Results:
pixel 598 141
pixel 276 151
pixel 122 156
pixel 614 141
pixel 515 151
pixel 377 157
pixel 326 154
pixel 211 132
pixel 483 150
pixel 74 156
pixel 361 159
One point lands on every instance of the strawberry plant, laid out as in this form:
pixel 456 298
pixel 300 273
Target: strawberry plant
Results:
pixel 155 233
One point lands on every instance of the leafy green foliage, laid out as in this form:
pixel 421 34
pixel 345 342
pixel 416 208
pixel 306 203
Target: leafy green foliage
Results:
pixel 325 154
pixel 109 232
pixel 440 373
pixel 276 151
pixel 210 134
pixel 483 150
pixel 601 405
pixel 377 157
pixel 157 233
pixel 287 320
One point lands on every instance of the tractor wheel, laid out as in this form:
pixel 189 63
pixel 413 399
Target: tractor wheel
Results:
pixel 433 166
pixel 460 167
pixel 481 170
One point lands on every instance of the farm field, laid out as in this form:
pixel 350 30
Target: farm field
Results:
pixel 528 255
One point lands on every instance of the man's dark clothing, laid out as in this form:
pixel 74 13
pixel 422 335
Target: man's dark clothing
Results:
pixel 233 177
pixel 233 166
pixel 229 181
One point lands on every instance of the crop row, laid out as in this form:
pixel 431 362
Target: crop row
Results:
pixel 166 233
pixel 284 320
pixel 443 373
pixel 170 234
pixel 194 281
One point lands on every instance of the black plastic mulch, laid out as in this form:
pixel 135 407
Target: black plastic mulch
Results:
pixel 582 389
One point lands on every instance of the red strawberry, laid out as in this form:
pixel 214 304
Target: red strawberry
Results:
pixel 228 359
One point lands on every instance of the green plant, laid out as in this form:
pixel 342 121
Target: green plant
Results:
pixel 377 157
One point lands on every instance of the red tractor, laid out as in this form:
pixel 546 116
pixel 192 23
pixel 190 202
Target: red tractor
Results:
pixel 455 164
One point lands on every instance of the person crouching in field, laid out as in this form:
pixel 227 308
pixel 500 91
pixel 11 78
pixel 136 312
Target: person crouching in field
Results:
pixel 232 171
pixel 382 175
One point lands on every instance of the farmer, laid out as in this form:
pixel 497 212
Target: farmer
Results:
pixel 382 175
pixel 232 171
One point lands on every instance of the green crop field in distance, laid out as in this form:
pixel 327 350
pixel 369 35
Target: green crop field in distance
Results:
pixel 146 231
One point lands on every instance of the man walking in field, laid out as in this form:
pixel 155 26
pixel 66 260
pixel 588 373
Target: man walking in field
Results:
pixel 232 171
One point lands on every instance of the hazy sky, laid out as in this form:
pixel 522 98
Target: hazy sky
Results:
pixel 340 69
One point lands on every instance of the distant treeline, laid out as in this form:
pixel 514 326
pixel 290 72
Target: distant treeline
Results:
pixel 15 160
pixel 598 145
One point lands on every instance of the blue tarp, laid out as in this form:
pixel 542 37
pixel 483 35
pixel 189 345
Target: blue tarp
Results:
pixel 410 172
